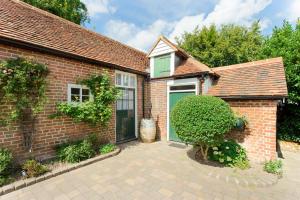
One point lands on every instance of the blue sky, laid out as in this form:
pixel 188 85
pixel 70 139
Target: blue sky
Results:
pixel 138 23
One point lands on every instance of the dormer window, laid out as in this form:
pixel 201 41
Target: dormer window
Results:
pixel 162 65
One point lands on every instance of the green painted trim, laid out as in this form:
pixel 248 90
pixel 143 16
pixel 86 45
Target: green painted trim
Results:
pixel 162 65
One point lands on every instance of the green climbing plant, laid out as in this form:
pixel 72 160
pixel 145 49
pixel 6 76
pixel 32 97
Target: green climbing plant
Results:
pixel 96 111
pixel 22 88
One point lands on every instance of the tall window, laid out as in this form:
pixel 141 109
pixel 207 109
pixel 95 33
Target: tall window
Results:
pixel 78 93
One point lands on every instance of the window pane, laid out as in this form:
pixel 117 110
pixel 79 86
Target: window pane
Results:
pixel 85 98
pixel 131 105
pixel 125 80
pixel 75 91
pixel 85 92
pixel 119 79
pixel 183 87
pixel 75 98
pixel 132 81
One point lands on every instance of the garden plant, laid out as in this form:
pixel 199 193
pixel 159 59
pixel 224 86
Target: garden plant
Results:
pixel 202 121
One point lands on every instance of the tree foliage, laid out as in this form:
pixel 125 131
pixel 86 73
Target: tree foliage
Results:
pixel 285 42
pixel 72 10
pixel 230 44
pixel 202 121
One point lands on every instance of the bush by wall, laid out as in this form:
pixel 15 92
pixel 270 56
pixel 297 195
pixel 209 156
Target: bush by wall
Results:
pixel 75 151
pixel 230 154
pixel 107 148
pixel 202 121
pixel 34 168
pixel 5 164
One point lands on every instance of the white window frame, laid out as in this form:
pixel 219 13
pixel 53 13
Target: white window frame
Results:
pixel 80 87
pixel 135 97
pixel 129 75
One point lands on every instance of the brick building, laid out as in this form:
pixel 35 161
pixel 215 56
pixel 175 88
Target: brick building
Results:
pixel 153 81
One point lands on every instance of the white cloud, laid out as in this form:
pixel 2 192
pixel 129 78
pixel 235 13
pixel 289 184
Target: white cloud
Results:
pixel 98 6
pixel 186 24
pixel 225 11
pixel 294 10
pixel 134 36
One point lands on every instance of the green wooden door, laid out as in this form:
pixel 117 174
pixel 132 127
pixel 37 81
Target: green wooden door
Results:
pixel 125 115
pixel 173 99
pixel 162 66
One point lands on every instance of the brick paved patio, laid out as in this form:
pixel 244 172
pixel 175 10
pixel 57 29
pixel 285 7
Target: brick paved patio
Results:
pixel 155 171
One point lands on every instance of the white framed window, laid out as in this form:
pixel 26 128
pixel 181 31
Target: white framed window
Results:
pixel 78 93
pixel 125 80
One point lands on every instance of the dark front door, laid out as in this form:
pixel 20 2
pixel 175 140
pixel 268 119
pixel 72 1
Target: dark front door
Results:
pixel 125 115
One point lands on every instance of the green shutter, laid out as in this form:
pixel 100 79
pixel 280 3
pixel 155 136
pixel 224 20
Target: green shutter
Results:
pixel 162 66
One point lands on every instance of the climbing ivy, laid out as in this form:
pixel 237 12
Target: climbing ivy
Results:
pixel 22 88
pixel 98 110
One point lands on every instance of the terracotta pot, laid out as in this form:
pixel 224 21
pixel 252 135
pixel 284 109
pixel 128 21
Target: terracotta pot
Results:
pixel 148 130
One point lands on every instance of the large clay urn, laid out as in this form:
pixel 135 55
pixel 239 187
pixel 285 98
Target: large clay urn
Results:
pixel 148 130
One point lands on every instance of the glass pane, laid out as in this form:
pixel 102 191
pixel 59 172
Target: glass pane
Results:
pixel 131 105
pixel 85 98
pixel 119 105
pixel 86 92
pixel 132 81
pixel 125 94
pixel 125 80
pixel 125 104
pixel 75 91
pixel 75 98
pixel 183 87
pixel 130 95
pixel 119 79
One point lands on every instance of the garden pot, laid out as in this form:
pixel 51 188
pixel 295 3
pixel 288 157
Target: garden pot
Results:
pixel 148 130
pixel 240 124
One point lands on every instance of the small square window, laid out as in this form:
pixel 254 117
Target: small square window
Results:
pixel 78 93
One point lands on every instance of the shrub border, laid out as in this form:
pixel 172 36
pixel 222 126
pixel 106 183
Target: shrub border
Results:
pixel 30 181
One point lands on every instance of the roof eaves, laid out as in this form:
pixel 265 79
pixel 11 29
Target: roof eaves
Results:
pixel 43 49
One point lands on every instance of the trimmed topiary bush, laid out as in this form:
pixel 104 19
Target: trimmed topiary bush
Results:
pixel 202 121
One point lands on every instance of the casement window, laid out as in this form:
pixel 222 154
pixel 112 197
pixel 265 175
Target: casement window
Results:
pixel 125 80
pixel 162 66
pixel 78 93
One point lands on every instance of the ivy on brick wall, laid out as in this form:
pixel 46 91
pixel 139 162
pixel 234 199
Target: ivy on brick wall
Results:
pixel 22 94
pixel 97 111
pixel 22 88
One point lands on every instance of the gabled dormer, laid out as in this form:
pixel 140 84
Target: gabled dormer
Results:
pixel 164 58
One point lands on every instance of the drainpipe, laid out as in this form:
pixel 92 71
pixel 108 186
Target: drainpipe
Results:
pixel 143 97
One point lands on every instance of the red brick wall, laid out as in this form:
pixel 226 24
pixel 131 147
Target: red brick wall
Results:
pixel 157 93
pixel 259 137
pixel 50 132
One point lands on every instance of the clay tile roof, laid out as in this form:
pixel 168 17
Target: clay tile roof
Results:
pixel 22 22
pixel 264 78
pixel 191 66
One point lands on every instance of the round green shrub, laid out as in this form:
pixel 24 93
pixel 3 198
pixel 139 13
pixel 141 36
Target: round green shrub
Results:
pixel 202 120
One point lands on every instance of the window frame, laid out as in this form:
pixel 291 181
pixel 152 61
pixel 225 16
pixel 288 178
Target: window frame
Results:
pixel 129 76
pixel 80 87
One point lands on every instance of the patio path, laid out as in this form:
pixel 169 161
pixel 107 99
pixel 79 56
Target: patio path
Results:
pixel 155 171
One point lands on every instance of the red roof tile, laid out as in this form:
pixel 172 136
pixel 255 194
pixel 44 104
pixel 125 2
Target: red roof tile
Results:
pixel 259 78
pixel 191 66
pixel 22 22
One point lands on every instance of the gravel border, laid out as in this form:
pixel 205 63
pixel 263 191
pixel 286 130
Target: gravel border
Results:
pixel 30 181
